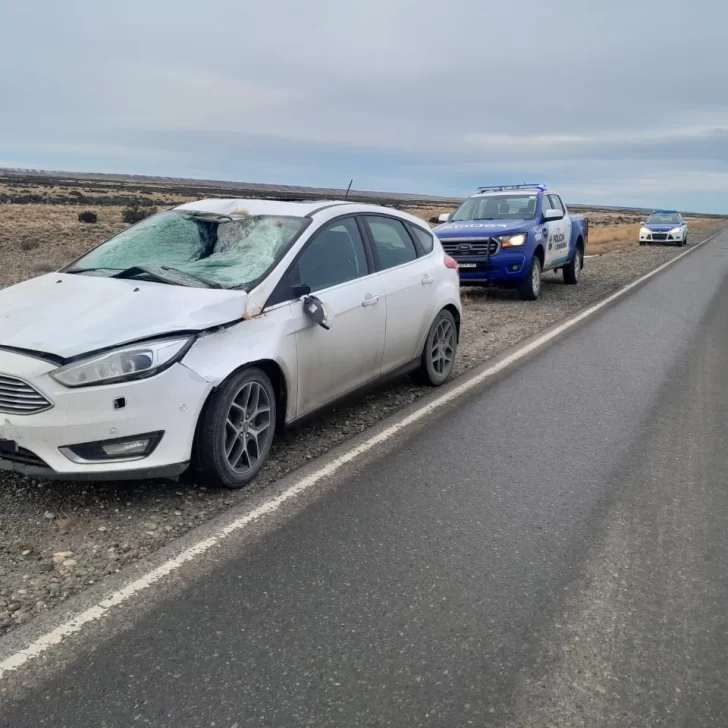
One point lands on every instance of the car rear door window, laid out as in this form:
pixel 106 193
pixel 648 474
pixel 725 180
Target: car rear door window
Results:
pixel 335 255
pixel 392 242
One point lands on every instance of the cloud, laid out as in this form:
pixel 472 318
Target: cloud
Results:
pixel 437 96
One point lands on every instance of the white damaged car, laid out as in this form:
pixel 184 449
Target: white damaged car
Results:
pixel 191 337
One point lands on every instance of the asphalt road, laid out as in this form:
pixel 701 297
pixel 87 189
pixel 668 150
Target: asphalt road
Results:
pixel 552 552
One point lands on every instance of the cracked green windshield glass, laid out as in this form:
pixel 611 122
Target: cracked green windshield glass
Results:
pixel 195 248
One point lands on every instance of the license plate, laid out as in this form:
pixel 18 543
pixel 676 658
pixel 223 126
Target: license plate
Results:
pixel 467 265
pixel 8 446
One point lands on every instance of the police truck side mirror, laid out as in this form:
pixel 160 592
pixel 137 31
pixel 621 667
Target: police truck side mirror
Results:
pixel 553 215
pixel 444 217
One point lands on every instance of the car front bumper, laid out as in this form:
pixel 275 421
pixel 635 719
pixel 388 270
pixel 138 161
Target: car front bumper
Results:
pixel 660 237
pixel 36 444
pixel 506 267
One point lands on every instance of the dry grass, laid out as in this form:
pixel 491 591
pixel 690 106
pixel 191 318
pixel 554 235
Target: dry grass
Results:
pixel 618 238
pixel 40 237
pixel 37 239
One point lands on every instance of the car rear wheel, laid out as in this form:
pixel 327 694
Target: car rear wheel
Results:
pixel 438 356
pixel 572 270
pixel 530 288
pixel 236 430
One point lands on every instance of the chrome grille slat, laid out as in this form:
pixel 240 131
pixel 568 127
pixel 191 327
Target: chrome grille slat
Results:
pixel 20 398
pixel 470 246
pixel 18 394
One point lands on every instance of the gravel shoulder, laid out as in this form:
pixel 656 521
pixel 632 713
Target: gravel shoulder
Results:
pixel 57 538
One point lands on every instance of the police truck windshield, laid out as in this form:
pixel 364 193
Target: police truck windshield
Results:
pixel 497 207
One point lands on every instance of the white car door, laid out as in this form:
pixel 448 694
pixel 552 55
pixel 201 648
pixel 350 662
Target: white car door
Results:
pixel 557 248
pixel 408 281
pixel 335 265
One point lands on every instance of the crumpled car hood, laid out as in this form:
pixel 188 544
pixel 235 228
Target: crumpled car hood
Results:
pixel 67 315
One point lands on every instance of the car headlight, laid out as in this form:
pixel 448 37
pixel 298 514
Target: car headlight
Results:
pixel 645 231
pixel 513 241
pixel 136 361
pixel 676 231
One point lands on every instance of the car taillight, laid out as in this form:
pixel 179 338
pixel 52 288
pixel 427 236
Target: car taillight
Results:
pixel 451 263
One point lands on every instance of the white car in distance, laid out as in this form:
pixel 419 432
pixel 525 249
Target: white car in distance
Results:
pixel 190 337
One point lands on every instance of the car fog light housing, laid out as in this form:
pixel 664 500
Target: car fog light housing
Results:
pixel 118 449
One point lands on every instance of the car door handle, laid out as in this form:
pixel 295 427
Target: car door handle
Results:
pixel 427 279
pixel 370 300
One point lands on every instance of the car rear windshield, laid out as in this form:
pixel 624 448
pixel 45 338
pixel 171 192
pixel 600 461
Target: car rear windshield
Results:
pixel 226 251
pixel 497 207
pixel 663 218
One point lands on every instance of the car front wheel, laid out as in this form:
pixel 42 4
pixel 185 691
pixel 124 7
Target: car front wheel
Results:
pixel 438 356
pixel 236 430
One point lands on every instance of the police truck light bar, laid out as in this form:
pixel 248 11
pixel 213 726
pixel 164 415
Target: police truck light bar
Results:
pixel 501 188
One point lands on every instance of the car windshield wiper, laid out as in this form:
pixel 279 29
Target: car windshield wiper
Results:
pixel 206 281
pixel 139 270
pixel 88 270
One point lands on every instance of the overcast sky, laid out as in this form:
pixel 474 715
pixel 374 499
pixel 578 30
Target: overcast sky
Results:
pixel 619 102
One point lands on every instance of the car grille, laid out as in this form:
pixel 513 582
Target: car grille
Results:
pixel 24 457
pixel 476 246
pixel 659 236
pixel 19 398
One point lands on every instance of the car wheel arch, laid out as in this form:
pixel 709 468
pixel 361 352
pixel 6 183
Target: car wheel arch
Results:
pixel 540 254
pixel 278 379
pixel 455 314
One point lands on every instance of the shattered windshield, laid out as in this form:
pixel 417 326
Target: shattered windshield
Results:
pixel 203 249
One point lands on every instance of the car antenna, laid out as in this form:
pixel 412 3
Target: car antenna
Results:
pixel 346 196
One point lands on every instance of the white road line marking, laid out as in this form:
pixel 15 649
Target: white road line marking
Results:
pixel 93 614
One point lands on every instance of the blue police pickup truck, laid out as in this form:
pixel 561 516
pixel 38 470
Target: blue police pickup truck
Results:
pixel 508 235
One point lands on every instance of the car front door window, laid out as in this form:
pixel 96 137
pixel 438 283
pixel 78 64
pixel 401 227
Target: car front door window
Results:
pixel 334 256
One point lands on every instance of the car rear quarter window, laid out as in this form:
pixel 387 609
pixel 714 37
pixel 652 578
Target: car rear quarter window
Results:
pixel 424 238
pixel 391 240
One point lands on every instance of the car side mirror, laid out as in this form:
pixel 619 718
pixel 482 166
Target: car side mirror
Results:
pixel 553 215
pixel 318 312
pixel 300 291
pixel 445 217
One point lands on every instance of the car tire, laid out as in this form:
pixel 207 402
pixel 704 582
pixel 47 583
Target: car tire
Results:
pixel 438 355
pixel 236 430
pixel 572 270
pixel 530 287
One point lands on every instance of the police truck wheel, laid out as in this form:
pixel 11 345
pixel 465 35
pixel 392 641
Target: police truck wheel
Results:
pixel 572 270
pixel 530 287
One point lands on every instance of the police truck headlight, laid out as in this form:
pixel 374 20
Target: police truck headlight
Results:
pixel 513 241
